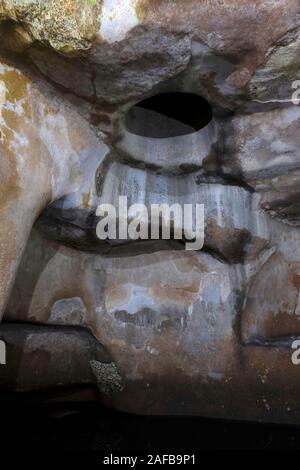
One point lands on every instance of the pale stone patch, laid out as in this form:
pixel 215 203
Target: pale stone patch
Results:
pixel 68 312
pixel 118 17
pixel 3 91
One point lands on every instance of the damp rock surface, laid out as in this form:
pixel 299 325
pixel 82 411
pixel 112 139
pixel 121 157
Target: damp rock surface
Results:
pixel 91 109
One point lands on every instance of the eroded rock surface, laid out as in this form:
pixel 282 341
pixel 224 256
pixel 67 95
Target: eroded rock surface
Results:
pixel 205 333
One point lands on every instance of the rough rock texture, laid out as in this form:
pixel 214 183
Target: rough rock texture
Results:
pixel 205 333
pixel 41 358
pixel 67 26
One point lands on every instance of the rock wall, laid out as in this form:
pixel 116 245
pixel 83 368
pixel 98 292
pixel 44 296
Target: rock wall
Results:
pixel 158 329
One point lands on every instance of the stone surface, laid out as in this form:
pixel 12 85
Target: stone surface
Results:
pixel 107 377
pixel 67 26
pixel 204 333
pixel 71 311
pixel 43 358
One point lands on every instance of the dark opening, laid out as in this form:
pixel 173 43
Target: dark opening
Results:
pixel 169 115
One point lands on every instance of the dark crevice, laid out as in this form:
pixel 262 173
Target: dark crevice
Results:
pixel 223 179
pixel 276 342
pixel 82 236
pixel 169 115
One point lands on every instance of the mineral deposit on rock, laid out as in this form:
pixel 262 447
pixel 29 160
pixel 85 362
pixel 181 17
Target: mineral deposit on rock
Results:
pixel 160 101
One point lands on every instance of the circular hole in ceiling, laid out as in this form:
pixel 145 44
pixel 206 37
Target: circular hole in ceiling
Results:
pixel 169 115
